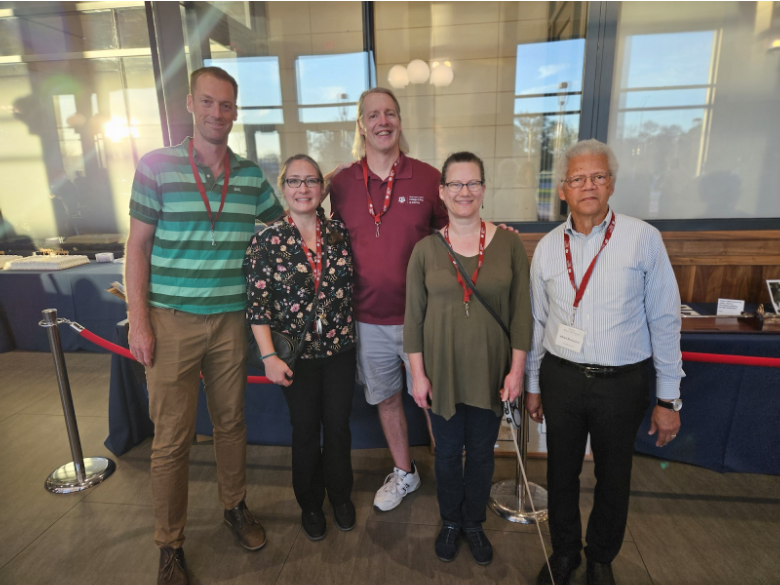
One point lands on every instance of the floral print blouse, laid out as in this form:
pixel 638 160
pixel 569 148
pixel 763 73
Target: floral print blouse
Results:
pixel 280 287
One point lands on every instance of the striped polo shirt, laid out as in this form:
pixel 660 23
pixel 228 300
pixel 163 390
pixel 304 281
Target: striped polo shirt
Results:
pixel 188 273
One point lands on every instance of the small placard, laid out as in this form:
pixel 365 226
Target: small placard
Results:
pixel 730 307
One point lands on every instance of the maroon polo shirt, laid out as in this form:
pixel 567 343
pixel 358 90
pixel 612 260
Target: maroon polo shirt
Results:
pixel 380 263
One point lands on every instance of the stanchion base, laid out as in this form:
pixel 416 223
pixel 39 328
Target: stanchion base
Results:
pixel 65 481
pixel 504 502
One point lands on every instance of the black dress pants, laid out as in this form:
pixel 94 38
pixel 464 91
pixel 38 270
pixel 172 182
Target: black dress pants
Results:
pixel 611 410
pixel 320 401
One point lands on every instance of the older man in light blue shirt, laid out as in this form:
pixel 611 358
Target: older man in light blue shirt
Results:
pixel 605 301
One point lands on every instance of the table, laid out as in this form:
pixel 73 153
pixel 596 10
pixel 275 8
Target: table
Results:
pixel 267 416
pixel 78 294
pixel 730 413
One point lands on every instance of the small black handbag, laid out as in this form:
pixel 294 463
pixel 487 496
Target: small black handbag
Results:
pixel 287 348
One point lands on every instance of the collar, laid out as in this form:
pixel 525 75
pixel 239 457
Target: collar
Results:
pixel 404 170
pixel 234 162
pixel 569 226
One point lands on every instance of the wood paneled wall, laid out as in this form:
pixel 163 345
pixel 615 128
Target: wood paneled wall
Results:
pixel 713 265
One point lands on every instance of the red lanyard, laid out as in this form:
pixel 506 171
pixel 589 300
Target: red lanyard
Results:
pixel 202 189
pixel 316 266
pixel 579 292
pixel 466 290
pixel 390 180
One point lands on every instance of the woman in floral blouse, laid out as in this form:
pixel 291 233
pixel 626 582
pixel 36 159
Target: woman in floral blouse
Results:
pixel 282 266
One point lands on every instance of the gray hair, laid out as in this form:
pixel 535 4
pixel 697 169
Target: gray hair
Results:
pixel 585 147
pixel 359 143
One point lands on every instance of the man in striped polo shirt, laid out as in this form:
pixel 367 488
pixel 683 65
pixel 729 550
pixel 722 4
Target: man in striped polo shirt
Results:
pixel 193 210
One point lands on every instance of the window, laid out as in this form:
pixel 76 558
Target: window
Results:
pixel 693 114
pixel 300 70
pixel 501 79
pixel 78 108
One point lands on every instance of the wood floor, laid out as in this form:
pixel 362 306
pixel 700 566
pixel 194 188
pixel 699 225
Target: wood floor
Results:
pixel 686 525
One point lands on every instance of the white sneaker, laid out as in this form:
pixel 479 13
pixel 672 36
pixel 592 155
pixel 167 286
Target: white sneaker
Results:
pixel 396 486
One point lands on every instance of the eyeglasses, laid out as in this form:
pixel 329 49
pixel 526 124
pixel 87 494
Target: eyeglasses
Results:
pixel 599 179
pixel 311 182
pixel 455 186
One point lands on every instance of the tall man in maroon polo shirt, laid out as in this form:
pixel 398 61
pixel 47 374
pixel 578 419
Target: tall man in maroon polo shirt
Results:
pixel 389 202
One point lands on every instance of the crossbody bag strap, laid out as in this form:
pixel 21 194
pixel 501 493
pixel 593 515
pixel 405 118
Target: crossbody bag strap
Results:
pixel 467 280
pixel 314 305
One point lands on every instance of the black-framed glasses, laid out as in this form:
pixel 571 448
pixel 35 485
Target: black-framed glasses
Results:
pixel 311 182
pixel 578 181
pixel 455 187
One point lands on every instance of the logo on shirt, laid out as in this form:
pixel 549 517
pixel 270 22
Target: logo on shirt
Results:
pixel 416 199
pixel 237 189
pixel 401 199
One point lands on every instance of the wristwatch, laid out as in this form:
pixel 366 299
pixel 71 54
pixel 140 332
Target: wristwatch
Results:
pixel 674 405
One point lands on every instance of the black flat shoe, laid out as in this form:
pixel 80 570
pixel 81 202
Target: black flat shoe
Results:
pixel 600 573
pixel 446 545
pixel 562 568
pixel 313 525
pixel 479 545
pixel 344 516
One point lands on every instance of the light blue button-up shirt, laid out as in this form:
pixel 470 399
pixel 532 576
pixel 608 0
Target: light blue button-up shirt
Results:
pixel 631 307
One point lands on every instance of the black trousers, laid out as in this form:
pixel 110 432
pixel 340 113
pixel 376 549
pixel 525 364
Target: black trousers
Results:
pixel 320 400
pixel 611 410
pixel 463 491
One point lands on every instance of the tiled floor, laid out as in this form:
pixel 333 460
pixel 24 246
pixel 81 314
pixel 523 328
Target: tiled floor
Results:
pixel 686 525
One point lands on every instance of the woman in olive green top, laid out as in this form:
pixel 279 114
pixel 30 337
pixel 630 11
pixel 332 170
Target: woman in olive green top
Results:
pixel 463 365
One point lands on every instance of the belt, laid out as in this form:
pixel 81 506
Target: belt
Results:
pixel 597 371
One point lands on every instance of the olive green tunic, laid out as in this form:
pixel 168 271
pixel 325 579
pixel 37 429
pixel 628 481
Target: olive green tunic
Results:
pixel 467 358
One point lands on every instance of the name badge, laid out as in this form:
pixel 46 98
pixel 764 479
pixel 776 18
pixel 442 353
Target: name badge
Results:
pixel 570 338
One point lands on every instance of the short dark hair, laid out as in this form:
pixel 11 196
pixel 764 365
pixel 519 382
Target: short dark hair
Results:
pixel 217 72
pixel 462 157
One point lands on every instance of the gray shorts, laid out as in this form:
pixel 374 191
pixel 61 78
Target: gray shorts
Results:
pixel 381 359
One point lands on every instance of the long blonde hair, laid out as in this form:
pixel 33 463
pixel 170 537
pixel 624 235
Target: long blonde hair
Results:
pixel 359 143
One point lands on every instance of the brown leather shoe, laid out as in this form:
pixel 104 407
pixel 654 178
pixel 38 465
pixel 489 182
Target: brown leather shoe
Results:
pixel 173 567
pixel 248 530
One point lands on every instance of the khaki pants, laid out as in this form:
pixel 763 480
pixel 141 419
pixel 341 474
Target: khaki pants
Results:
pixel 187 344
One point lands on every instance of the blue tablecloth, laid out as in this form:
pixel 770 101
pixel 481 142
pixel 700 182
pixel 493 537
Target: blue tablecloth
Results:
pixel 78 294
pixel 730 413
pixel 267 416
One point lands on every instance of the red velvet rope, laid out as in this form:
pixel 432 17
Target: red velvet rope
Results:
pixel 735 360
pixel 688 356
pixel 124 352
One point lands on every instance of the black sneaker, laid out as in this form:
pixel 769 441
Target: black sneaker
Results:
pixel 447 542
pixel 479 545
pixel 344 516
pixel 313 525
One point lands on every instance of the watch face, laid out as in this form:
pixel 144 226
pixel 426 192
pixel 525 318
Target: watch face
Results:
pixel 676 404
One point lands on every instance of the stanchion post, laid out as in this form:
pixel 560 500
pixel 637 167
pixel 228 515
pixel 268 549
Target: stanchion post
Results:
pixel 79 474
pixel 50 318
pixel 509 498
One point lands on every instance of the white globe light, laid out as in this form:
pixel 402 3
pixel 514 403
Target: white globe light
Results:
pixel 418 71
pixel 442 76
pixel 398 77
